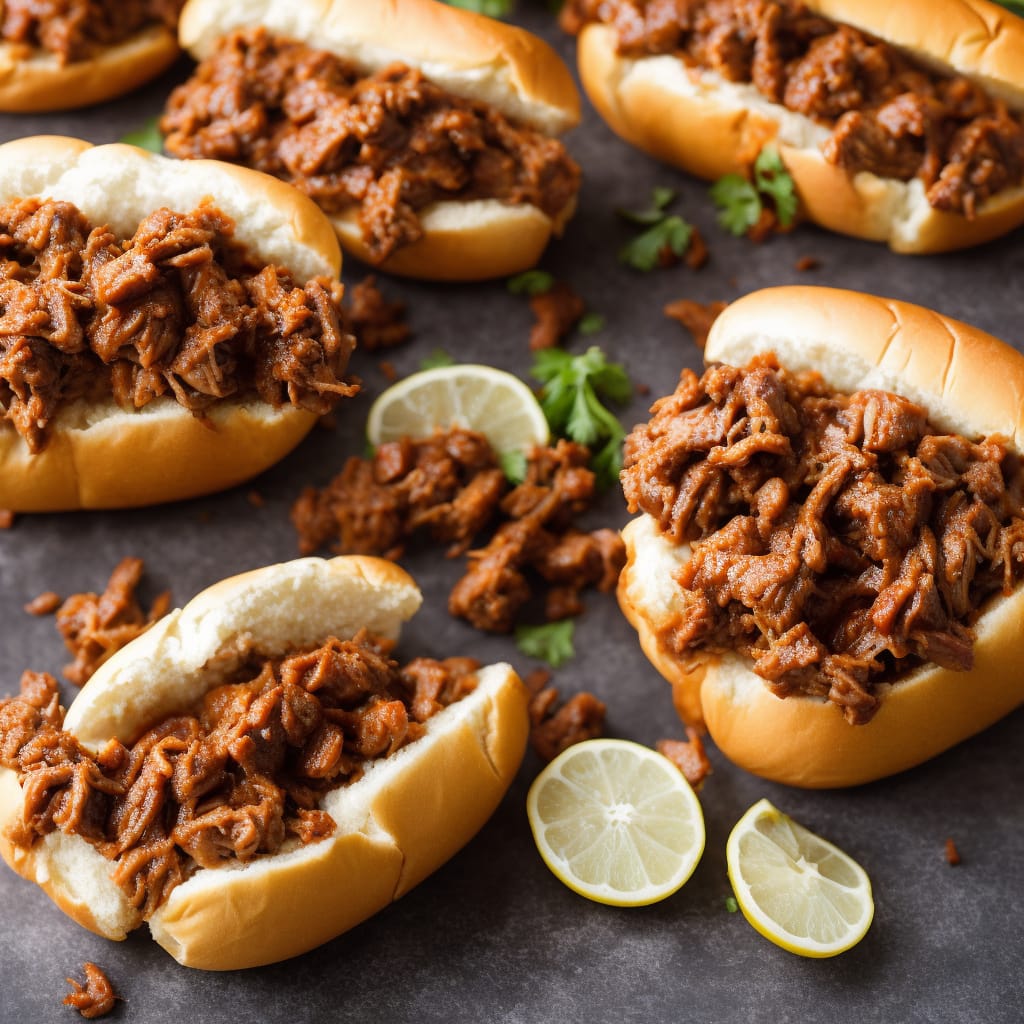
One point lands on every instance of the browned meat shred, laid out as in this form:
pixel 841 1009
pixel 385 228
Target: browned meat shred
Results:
pixel 93 999
pixel 556 312
pixel 95 626
pixel 44 604
pixel 232 778
pixel 179 309
pixel 689 756
pixel 449 486
pixel 696 317
pixel 889 113
pixel 372 320
pixel 837 540
pixel 76 29
pixel 385 144
pixel 554 728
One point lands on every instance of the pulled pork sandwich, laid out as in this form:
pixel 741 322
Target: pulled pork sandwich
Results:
pixel 166 329
pixel 829 558
pixel 424 131
pixel 901 123
pixel 62 54
pixel 255 774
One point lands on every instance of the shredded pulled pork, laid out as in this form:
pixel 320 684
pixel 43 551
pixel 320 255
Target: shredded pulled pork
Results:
pixel 76 29
pixel 450 487
pixel 556 312
pixel 372 320
pixel 93 999
pixel 95 626
pixel 554 728
pixel 178 309
pixel 696 317
pixel 230 779
pixel 889 114
pixel 689 756
pixel 837 540
pixel 385 144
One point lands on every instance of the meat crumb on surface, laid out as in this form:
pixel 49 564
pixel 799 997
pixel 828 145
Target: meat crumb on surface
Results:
pixel 96 997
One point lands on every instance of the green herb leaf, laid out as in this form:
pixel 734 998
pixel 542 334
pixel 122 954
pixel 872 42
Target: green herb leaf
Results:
pixel 369 451
pixel 772 179
pixel 661 199
pixel 492 8
pixel 551 642
pixel 739 205
pixel 147 137
pixel 731 905
pixel 573 396
pixel 590 323
pixel 645 251
pixel 530 282
pixel 1017 6
pixel 513 465
pixel 436 358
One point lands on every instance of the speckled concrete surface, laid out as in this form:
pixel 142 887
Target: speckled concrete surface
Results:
pixel 493 936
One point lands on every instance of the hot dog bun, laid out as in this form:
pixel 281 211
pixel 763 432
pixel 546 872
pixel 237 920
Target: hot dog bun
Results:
pixel 405 817
pixel 34 79
pixel 465 53
pixel 711 127
pixel 855 341
pixel 99 455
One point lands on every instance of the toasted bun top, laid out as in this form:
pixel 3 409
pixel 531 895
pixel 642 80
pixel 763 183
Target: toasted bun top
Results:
pixel 119 185
pixel 270 610
pixel 467 54
pixel 976 38
pixel 967 380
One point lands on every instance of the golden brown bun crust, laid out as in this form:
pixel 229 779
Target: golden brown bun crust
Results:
pixel 855 340
pixel 466 53
pixel 36 81
pixel 406 816
pixel 109 458
pixel 712 130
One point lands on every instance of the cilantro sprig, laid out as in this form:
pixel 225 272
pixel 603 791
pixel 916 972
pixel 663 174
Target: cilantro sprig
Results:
pixel 740 201
pixel 439 357
pixel 531 282
pixel 492 8
pixel 147 136
pixel 551 642
pixel 667 236
pixel 572 397
pixel 1017 6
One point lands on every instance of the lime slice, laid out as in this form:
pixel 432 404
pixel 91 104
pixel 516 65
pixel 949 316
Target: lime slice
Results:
pixel 795 888
pixel 616 822
pixel 481 398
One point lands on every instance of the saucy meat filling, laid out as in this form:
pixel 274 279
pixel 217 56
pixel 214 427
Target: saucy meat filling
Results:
pixel 387 144
pixel 888 113
pixel 837 540
pixel 451 487
pixel 232 778
pixel 76 29
pixel 179 309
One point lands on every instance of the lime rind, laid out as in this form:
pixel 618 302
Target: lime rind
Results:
pixel 652 849
pixel 795 888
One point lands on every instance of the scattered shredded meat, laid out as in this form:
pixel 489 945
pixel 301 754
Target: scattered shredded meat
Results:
pixel 232 778
pixel 889 114
pixel 952 854
pixel 837 540
pixel 557 310
pixel 806 263
pixel 386 144
pixel 696 317
pixel 45 603
pixel 77 29
pixel 697 252
pixel 450 487
pixel 178 309
pixel 96 626
pixel 372 320
pixel 93 999
pixel 689 756
pixel 6 519
pixel 554 728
